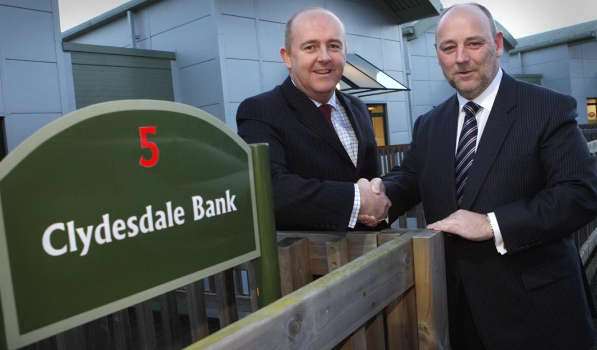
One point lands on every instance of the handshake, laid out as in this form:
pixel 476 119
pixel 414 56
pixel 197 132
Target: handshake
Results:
pixel 374 202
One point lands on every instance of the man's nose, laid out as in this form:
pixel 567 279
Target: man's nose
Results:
pixel 324 54
pixel 461 55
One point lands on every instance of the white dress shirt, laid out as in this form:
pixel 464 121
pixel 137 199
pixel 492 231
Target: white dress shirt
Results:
pixel 349 140
pixel 485 100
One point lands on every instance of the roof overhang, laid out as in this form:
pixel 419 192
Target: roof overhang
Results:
pixel 361 78
pixel 412 10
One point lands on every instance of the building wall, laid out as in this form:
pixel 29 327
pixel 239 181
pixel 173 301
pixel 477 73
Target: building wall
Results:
pixel 428 86
pixel 569 68
pixel 583 75
pixel 186 27
pixel 228 50
pixel 35 87
pixel 251 34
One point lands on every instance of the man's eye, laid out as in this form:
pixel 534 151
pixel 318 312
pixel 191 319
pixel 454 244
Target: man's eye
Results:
pixel 309 48
pixel 475 44
pixel 336 47
pixel 447 49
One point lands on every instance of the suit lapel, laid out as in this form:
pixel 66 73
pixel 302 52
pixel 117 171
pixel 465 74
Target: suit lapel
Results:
pixel 356 126
pixel 308 115
pixel 500 120
pixel 445 147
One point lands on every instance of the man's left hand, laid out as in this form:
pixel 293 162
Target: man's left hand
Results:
pixel 466 224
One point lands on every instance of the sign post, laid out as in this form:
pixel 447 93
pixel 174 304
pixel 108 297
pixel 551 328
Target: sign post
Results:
pixel 120 202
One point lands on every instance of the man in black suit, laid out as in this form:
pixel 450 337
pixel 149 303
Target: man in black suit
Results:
pixel 503 170
pixel 321 140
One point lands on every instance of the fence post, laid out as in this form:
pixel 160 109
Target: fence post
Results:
pixel 267 270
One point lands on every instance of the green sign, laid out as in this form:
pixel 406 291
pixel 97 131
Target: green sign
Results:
pixel 114 204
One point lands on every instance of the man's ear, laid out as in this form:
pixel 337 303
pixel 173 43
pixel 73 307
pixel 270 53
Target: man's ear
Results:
pixel 286 57
pixel 499 43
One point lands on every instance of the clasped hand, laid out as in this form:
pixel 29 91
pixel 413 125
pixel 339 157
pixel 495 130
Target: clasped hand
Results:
pixel 374 202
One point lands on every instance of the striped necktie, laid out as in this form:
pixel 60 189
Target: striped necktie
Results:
pixel 467 145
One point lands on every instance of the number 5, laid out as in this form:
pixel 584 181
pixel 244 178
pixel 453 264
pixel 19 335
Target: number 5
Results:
pixel 152 146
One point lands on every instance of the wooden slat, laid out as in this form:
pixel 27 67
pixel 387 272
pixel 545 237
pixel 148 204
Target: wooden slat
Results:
pixel 224 283
pixel 295 271
pixel 401 316
pixel 145 328
pixel 356 341
pixel 360 243
pixel 169 316
pixel 121 329
pixel 430 282
pixel 375 333
pixel 197 311
pixel 337 253
pixel 321 314
pixel 401 322
pixel 71 339
pixel 97 334
pixel 317 247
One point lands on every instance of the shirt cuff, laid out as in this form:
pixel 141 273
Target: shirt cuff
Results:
pixel 497 234
pixel 356 206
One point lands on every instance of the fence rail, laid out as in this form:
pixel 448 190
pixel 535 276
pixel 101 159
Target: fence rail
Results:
pixel 393 297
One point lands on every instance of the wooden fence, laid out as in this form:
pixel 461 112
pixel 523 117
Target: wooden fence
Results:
pixel 392 297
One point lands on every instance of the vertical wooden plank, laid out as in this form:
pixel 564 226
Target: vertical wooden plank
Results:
pixel 121 329
pixel 401 322
pixel 294 262
pixel 301 261
pixel 145 327
pixel 430 285
pixel 285 265
pixel 71 339
pixel 375 332
pixel 170 322
pixel 197 311
pixel 98 334
pixel 336 253
pixel 227 312
pixel 357 341
pixel 360 243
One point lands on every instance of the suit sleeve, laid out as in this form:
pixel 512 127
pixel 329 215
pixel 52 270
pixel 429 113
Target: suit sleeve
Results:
pixel 401 182
pixel 569 198
pixel 307 203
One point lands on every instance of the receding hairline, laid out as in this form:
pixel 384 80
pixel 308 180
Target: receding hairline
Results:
pixel 483 9
pixel 292 19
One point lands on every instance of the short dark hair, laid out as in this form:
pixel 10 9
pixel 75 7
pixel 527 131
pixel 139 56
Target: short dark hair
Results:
pixel 492 25
pixel 288 31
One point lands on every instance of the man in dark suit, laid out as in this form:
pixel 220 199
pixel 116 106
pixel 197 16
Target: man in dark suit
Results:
pixel 321 140
pixel 502 169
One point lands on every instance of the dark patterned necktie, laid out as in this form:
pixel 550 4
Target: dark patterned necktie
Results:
pixel 326 111
pixel 467 145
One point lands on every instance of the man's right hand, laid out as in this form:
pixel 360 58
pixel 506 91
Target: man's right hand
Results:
pixel 374 202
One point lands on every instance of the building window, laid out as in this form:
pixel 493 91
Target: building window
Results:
pixel 592 110
pixel 379 119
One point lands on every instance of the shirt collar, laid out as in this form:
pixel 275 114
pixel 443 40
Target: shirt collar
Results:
pixel 487 97
pixel 332 101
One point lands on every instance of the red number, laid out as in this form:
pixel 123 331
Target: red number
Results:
pixel 155 151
